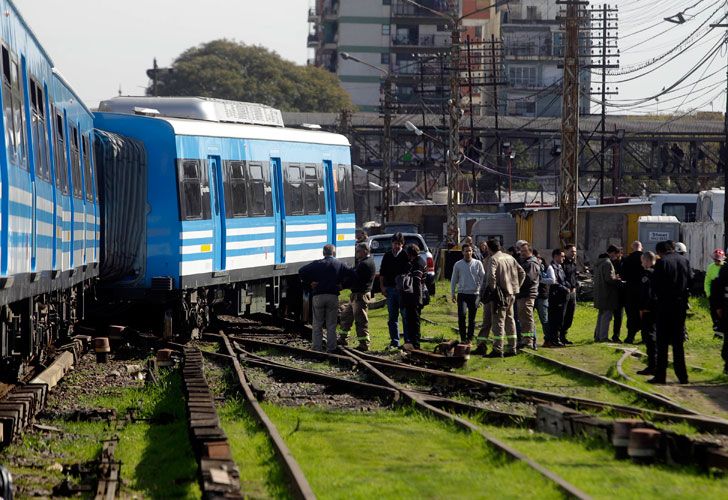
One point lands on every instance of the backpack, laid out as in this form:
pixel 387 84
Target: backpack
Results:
pixel 404 283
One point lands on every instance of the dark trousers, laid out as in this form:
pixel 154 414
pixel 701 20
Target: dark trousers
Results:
pixel 724 351
pixel 648 335
pixel 412 325
pixel 467 303
pixel 670 332
pixel 632 308
pixel 714 316
pixel 557 309
pixel 617 315
pixel 569 310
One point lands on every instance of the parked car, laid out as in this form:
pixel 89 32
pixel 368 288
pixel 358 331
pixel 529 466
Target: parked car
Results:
pixel 382 243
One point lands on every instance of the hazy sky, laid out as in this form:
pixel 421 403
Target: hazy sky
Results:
pixel 102 45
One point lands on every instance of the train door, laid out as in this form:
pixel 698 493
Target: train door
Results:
pixel 218 212
pixel 331 187
pixel 279 208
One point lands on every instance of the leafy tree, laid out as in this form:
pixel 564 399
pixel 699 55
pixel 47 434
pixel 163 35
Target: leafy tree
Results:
pixel 225 69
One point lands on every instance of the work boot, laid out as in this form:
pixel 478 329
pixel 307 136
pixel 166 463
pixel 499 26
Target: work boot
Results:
pixel 362 347
pixel 342 340
pixel 481 349
pixel 646 371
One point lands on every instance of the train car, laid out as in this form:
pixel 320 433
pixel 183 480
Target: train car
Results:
pixel 49 220
pixel 235 204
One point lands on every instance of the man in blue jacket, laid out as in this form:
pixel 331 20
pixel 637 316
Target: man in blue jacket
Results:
pixel 324 276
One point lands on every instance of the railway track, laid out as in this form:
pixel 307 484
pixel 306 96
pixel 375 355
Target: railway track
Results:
pixel 351 367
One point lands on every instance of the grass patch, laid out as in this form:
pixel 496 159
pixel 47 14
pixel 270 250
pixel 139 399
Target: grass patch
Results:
pixel 399 454
pixel 591 466
pixel 157 459
pixel 260 473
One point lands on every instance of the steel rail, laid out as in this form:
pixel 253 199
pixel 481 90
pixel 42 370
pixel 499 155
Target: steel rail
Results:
pixel 417 399
pixel 297 480
pixel 701 422
pixel 652 397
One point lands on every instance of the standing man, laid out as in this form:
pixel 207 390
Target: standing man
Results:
pixel 476 252
pixel 710 274
pixel 467 278
pixel 671 280
pixel 526 298
pixel 632 273
pixel 559 290
pixel 542 299
pixel 394 263
pixel 487 302
pixel 504 278
pixel 324 276
pixel 412 295
pixel 362 278
pixel 648 306
pixel 719 301
pixel 606 293
pixel 572 281
pixel 617 262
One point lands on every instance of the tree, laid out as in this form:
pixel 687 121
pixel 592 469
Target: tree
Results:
pixel 225 69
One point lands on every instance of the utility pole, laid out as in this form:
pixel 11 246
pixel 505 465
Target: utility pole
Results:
pixel 498 151
pixel 453 158
pixel 570 126
pixel 725 149
pixel 387 150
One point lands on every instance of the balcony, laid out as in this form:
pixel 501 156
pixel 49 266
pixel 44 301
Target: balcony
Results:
pixel 421 42
pixel 401 9
pixel 312 16
pixel 313 40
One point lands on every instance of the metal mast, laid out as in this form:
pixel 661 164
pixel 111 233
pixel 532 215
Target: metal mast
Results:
pixel 570 126
pixel 453 157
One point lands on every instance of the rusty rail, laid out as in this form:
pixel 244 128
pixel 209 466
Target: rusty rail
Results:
pixel 297 480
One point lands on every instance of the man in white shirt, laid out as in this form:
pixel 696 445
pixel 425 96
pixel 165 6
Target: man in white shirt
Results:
pixel 467 277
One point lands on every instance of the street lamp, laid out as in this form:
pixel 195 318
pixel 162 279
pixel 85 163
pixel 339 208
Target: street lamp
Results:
pixel 387 139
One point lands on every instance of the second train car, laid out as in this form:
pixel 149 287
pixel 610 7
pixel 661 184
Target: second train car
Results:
pixel 234 204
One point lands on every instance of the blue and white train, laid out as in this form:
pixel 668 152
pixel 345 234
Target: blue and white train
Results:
pixel 49 217
pixel 235 204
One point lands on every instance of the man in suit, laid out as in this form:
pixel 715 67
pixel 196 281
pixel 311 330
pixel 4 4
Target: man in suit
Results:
pixel 671 280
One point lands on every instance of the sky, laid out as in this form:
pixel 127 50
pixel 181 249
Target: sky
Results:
pixel 101 46
pixel 115 44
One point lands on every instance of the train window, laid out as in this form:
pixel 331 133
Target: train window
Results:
pixel 88 178
pixel 344 202
pixel 313 200
pixel 260 200
pixel 236 196
pixel 190 176
pixel 76 165
pixel 19 116
pixel 38 131
pixel 60 155
pixel 294 189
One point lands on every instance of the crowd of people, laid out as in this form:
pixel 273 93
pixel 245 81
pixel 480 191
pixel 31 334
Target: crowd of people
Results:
pixel 512 286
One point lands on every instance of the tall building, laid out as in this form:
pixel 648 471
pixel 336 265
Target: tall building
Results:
pixel 408 41
pixel 533 50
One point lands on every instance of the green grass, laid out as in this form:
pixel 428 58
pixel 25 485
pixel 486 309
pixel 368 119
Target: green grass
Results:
pixel 701 350
pixel 260 473
pixel 399 454
pixel 157 460
pixel 591 466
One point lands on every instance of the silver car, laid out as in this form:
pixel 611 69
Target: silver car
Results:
pixel 382 243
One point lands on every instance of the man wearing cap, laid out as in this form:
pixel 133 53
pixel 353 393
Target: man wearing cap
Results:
pixel 710 274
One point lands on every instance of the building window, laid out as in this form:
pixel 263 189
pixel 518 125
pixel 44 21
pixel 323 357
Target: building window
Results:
pixel 522 76
pixel 384 58
pixel 532 13
pixel 386 2
pixel 385 29
pixel 524 108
